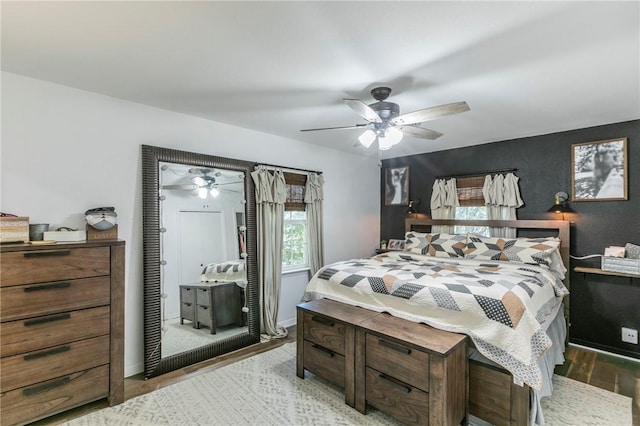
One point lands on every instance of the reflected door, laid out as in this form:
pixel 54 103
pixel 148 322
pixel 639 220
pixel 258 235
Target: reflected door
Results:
pixel 202 240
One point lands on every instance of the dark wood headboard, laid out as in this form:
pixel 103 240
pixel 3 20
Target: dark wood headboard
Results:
pixel 558 228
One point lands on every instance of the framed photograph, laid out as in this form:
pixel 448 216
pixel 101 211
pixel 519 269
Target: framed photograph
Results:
pixel 599 170
pixel 396 186
pixel 396 245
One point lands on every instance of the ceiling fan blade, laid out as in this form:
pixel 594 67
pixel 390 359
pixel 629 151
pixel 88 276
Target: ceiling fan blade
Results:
pixel 228 183
pixel 431 113
pixel 363 110
pixel 356 126
pixel 419 132
pixel 184 187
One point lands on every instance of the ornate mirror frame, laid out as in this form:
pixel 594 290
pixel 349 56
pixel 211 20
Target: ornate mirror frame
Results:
pixel 154 364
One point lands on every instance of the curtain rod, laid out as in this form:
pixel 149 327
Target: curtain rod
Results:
pixel 272 167
pixel 491 172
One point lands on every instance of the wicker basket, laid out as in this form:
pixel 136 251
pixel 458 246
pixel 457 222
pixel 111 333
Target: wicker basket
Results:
pixel 14 229
pixel 621 264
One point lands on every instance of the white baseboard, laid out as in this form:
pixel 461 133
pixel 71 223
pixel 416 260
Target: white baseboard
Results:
pixel 287 323
pixel 132 370
pixel 604 352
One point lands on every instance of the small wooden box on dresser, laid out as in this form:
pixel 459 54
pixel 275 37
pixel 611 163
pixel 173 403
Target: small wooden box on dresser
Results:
pixel 62 328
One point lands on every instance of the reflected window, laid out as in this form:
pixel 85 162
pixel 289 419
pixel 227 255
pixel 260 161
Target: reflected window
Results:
pixel 294 240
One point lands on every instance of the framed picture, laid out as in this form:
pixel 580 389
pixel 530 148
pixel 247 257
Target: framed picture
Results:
pixel 396 245
pixel 599 170
pixel 396 186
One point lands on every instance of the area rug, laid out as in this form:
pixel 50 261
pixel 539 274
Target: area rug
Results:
pixel 264 390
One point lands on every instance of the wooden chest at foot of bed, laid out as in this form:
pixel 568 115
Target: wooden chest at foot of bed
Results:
pixel 409 370
pixel 414 372
pixel 325 342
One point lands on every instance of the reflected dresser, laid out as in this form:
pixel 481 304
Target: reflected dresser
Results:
pixel 211 304
pixel 62 327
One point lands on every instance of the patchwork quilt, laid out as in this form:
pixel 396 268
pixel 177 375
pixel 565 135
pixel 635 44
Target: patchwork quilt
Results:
pixel 502 306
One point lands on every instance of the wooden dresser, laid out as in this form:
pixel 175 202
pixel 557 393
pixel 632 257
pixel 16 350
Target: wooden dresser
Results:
pixel 62 327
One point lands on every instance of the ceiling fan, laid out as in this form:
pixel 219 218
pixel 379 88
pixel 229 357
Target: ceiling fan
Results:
pixel 204 182
pixel 387 126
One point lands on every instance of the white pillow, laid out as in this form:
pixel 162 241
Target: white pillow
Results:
pixel 436 245
pixel 533 251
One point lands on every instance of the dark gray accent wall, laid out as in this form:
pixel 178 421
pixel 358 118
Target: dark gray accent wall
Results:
pixel 600 306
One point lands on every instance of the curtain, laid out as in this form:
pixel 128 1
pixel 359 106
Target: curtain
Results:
pixel 270 199
pixel 444 200
pixel 313 198
pixel 502 198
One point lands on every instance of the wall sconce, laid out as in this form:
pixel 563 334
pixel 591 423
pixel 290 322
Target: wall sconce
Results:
pixel 561 204
pixel 412 204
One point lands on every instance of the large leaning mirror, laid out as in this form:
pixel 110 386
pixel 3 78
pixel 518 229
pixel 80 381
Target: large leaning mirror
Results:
pixel 200 261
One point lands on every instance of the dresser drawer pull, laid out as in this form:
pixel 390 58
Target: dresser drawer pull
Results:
pixel 44 320
pixel 48 253
pixel 322 320
pixel 62 284
pixel 46 387
pixel 395 382
pixel 59 350
pixel 395 347
pixel 323 351
pixel 187 304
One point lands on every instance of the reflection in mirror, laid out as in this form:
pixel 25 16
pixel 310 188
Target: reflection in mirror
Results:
pixel 203 274
pixel 200 259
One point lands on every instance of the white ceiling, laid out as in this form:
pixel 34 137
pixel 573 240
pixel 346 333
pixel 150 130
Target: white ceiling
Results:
pixel 524 68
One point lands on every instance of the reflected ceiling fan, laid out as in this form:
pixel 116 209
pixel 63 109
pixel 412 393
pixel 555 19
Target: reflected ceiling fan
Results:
pixel 387 126
pixel 204 182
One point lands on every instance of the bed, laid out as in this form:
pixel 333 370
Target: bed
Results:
pixel 232 270
pixel 505 294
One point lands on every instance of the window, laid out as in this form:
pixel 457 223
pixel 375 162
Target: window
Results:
pixel 471 205
pixel 294 240
pixel 472 213
pixel 294 235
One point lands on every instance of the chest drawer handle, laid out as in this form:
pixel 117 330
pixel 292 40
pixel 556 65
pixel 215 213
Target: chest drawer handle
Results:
pixel 48 253
pixel 44 320
pixel 323 351
pixel 46 386
pixel 404 388
pixel 395 347
pixel 59 350
pixel 62 284
pixel 322 320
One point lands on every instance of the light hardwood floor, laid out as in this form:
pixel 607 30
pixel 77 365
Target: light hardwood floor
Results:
pixel 608 372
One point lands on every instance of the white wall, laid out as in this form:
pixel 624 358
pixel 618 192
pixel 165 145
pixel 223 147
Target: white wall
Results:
pixel 64 151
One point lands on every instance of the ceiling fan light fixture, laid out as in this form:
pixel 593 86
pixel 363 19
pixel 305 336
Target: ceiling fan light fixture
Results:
pixel 202 192
pixel 393 134
pixel 367 138
pixel 199 181
pixel 214 192
pixel 384 143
